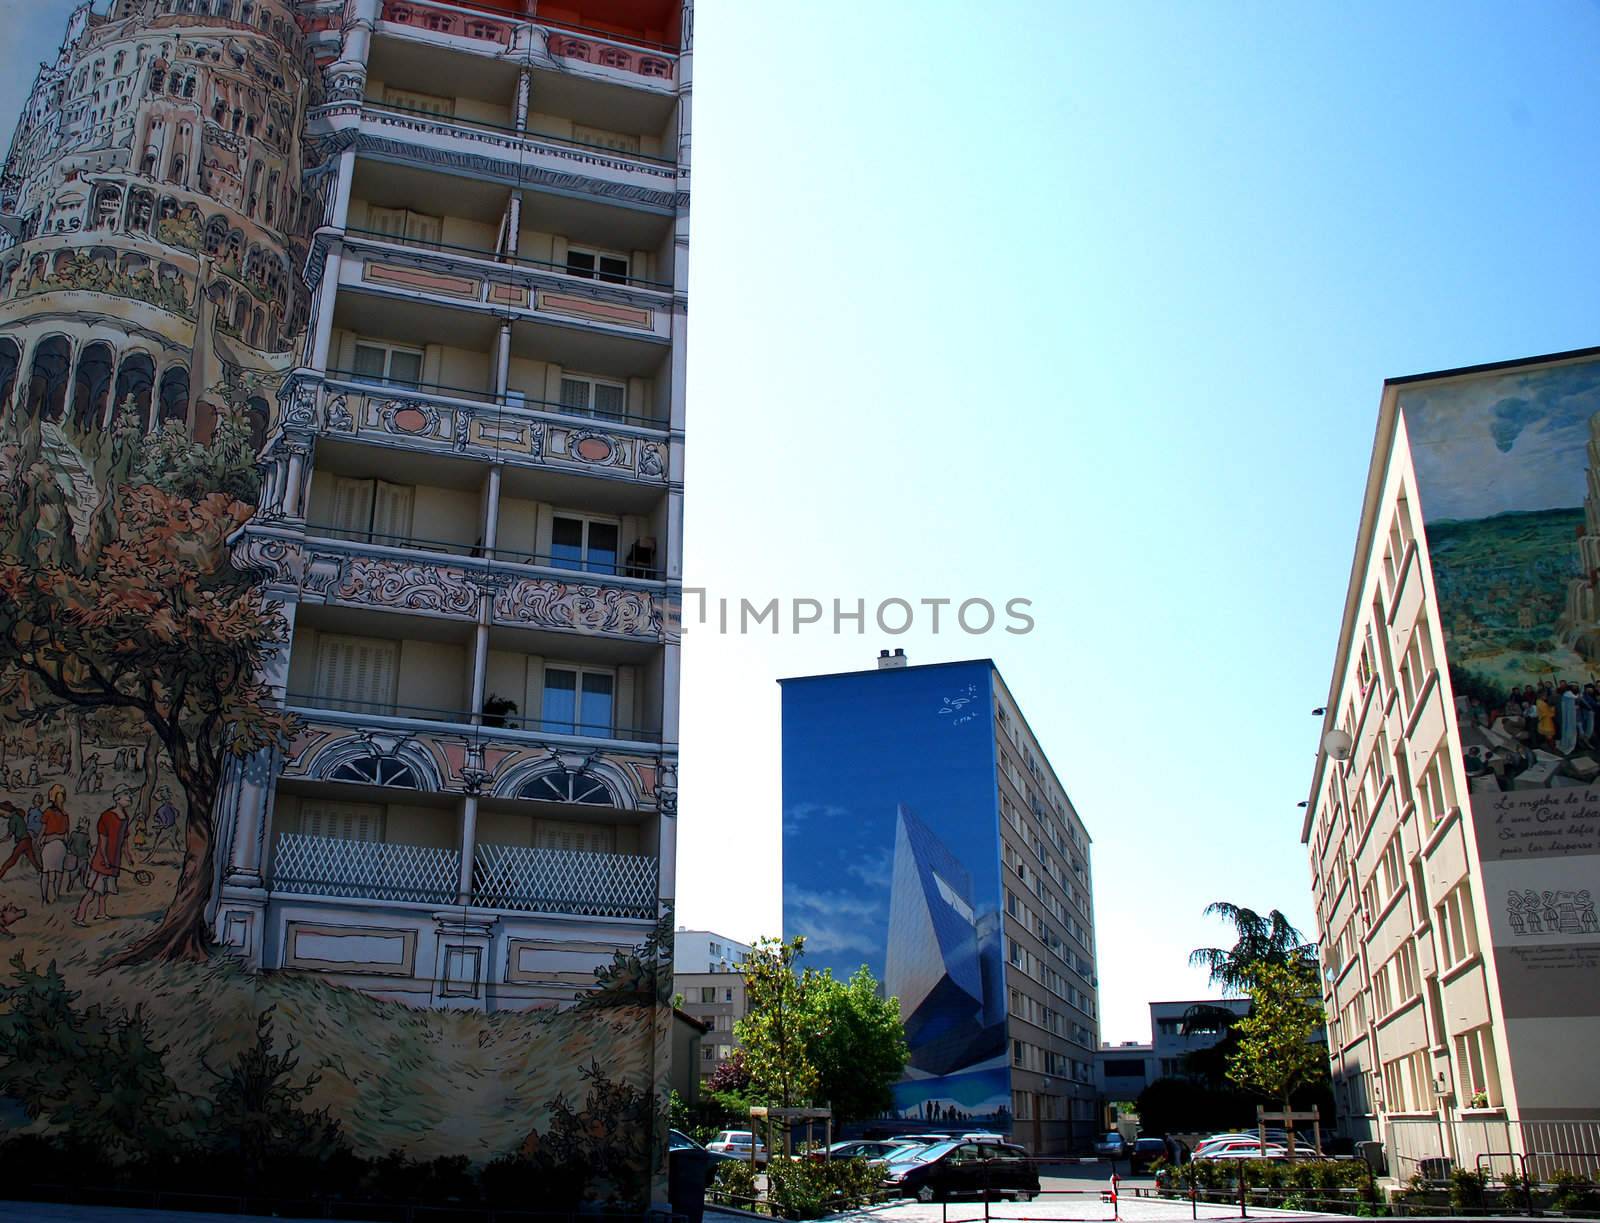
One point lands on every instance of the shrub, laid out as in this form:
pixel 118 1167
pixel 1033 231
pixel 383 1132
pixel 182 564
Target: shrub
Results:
pixel 736 1178
pixel 1573 1193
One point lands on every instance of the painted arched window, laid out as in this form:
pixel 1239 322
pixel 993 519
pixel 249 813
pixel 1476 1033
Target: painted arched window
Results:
pixel 136 377
pixel 216 235
pixel 566 786
pixel 47 378
pixel 10 360
pixel 174 396
pixel 377 771
pixel 92 386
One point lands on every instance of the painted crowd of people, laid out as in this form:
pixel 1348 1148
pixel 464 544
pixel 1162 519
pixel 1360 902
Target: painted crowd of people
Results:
pixel 1531 912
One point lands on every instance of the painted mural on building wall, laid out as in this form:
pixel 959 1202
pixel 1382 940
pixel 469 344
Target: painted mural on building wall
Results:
pixel 892 859
pixel 1508 477
pixel 160 195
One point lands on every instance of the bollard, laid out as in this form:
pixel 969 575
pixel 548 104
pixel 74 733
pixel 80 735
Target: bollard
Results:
pixel 1244 1209
pixel 1194 1201
pixel 1116 1208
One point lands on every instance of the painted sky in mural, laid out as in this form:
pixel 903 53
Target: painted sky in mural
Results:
pixel 891 859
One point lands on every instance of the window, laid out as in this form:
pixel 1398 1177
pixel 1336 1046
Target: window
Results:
pixel 576 838
pixel 1478 1071
pixel 427 103
pixel 357 673
pixel 727 994
pixel 1436 789
pixel 597 265
pixel 387 364
pixel 708 993
pixel 402 225
pixel 583 396
pixel 1169 1027
pixel 589 544
pixel 1458 932
pixel 1019 1054
pixel 342 821
pixel 1417 664
pixel 601 138
pixel 371 510
pixel 579 701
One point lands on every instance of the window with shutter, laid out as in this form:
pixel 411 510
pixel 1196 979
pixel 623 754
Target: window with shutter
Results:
pixel 391 512
pixel 352 508
pixel 427 103
pixel 592 264
pixel 372 510
pixel 584 838
pixel 601 138
pixel 342 821
pixel 594 397
pixel 403 225
pixel 387 364
pixel 357 673
pixel 579 701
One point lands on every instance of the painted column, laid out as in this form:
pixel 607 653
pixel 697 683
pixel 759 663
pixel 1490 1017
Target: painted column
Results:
pixel 524 97
pixel 469 842
pixel 502 361
pixel 74 348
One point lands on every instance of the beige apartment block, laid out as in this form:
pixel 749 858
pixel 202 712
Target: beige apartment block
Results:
pixel 1451 824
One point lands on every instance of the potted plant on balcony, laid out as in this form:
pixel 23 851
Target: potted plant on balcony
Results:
pixel 495 709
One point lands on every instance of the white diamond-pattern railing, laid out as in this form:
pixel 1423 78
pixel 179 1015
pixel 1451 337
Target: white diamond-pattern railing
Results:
pixel 369 870
pixel 564 881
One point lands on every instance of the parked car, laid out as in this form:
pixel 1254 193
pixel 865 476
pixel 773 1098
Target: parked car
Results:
pixel 858 1148
pixel 677 1140
pixel 1112 1146
pixel 1145 1152
pixel 964 1169
pixel 738 1143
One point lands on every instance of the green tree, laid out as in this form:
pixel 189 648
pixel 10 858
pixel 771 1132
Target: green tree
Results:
pixel 780 1024
pixel 858 1044
pixel 1276 1054
pixel 1259 940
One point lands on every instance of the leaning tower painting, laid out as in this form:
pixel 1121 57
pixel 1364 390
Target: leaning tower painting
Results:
pixel 166 216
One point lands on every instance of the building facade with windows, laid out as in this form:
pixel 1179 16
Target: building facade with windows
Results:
pixel 927 837
pixel 473 514
pixel 367 319
pixel 1452 856
pixel 707 975
pixel 1123 1070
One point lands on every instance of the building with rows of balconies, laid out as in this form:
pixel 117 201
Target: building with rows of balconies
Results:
pixel 472 516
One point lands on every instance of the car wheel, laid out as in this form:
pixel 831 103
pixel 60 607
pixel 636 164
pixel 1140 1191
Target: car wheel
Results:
pixel 925 1194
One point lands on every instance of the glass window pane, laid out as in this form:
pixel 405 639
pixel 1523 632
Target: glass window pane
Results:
pixel 405 368
pixel 575 394
pixel 560 699
pixel 580 263
pixel 369 362
pixel 613 269
pixel 602 556
pixel 609 401
pixel 566 542
pixel 597 702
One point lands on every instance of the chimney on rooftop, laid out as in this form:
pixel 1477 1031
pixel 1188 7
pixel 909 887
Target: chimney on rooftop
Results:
pixel 887 661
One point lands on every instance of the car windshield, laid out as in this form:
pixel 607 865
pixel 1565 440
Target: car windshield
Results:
pixel 929 1154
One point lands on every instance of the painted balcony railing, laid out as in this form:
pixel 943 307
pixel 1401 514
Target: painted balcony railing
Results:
pixel 459 277
pixel 570 41
pixel 414 577
pixel 526 155
pixel 515 429
pixel 563 881
pixel 403 748
pixel 366 870
pixel 507 877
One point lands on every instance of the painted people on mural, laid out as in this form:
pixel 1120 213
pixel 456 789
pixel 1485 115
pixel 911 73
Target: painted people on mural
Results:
pixel 19 828
pixel 1555 724
pixel 53 842
pixel 105 864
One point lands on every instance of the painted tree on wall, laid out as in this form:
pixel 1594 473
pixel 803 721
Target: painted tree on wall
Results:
pixel 148 618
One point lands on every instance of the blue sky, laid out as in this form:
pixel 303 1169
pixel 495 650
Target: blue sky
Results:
pixel 1090 304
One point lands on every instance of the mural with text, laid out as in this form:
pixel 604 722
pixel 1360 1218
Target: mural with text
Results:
pixel 1508 480
pixel 161 194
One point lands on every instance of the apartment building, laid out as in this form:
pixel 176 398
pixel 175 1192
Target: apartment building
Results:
pixel 1123 1070
pixel 708 977
pixel 1451 843
pixel 409 275
pixel 926 836
pixel 473 515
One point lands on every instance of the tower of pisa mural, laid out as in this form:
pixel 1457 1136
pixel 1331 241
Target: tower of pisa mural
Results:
pixel 158 202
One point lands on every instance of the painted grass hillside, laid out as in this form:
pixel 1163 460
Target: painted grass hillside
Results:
pixel 425 1083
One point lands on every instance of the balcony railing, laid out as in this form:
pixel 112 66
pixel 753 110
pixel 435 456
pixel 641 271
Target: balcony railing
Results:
pixel 491 256
pixel 517 133
pixel 367 870
pixel 511 400
pixel 462 719
pixel 508 877
pixel 564 881
pixel 590 567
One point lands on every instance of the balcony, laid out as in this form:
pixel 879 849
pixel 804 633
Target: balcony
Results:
pixel 532 289
pixel 504 877
pixel 499 152
pixel 516 428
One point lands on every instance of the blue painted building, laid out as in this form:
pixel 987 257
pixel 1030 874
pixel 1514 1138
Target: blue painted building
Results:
pixel 926 836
